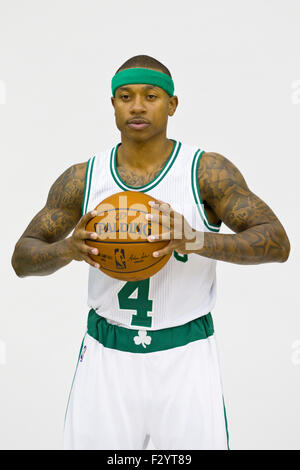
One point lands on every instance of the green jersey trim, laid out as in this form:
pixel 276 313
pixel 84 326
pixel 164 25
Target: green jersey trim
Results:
pixel 87 184
pixel 147 341
pixel 226 424
pixel 67 407
pixel 169 163
pixel 196 193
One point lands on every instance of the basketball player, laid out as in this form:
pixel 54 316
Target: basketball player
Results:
pixel 148 363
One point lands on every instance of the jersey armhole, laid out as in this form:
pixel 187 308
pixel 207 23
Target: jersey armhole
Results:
pixel 197 196
pixel 87 184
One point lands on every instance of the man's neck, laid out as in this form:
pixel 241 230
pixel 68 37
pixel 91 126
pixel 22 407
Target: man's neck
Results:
pixel 144 156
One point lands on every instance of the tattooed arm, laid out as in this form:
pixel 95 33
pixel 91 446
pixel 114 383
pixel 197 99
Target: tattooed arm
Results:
pixel 43 248
pixel 259 236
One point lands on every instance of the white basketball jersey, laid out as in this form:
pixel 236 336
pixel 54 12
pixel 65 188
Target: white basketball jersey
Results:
pixel 185 288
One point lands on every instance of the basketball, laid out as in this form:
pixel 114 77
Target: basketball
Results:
pixel 124 251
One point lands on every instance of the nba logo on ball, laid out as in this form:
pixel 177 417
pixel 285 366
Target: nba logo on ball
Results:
pixel 120 258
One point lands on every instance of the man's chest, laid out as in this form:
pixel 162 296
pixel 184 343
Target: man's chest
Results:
pixel 137 180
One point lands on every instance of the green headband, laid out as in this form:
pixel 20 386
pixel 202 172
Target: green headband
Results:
pixel 141 75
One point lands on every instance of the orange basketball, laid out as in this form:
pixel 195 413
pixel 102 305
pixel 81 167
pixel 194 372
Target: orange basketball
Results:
pixel 124 251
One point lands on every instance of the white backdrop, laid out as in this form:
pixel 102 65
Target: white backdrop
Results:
pixel 237 74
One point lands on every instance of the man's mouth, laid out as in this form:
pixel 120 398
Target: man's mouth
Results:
pixel 138 123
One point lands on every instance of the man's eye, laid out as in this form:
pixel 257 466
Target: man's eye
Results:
pixel 124 97
pixel 151 97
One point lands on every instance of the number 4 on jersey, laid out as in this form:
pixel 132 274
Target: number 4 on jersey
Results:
pixel 142 304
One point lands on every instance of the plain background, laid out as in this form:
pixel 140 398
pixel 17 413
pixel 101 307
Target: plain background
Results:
pixel 237 74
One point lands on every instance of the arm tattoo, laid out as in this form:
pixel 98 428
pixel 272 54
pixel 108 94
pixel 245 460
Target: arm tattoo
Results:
pixel 259 236
pixel 63 207
pixel 42 249
pixel 134 180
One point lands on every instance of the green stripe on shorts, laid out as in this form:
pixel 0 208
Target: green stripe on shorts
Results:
pixel 146 341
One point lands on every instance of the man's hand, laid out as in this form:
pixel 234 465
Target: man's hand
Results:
pixel 80 251
pixel 183 238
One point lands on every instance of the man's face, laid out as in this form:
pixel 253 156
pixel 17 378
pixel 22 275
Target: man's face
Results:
pixel 142 111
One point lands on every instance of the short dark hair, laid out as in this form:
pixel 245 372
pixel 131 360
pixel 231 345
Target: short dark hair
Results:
pixel 144 61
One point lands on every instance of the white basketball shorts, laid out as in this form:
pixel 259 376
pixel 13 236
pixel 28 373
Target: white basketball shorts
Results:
pixel 133 384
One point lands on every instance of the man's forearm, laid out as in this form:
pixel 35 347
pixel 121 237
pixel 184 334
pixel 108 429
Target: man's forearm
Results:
pixel 263 243
pixel 33 257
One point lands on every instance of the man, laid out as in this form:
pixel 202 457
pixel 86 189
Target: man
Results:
pixel 148 363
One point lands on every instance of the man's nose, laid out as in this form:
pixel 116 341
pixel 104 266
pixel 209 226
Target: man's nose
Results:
pixel 137 105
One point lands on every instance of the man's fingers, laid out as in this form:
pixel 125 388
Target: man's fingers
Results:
pixel 86 217
pixel 83 249
pixel 81 235
pixel 168 220
pixel 162 236
pixel 91 262
pixel 92 250
pixel 84 235
pixel 164 251
pixel 159 222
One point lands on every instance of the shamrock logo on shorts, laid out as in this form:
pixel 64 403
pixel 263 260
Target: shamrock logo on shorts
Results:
pixel 142 338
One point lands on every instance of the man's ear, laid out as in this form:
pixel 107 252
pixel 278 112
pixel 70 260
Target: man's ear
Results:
pixel 173 103
pixel 113 101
